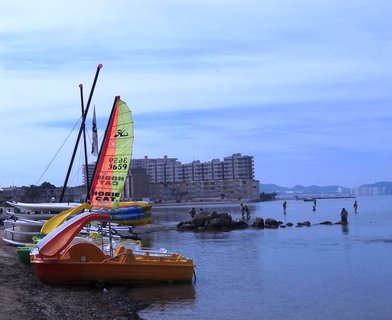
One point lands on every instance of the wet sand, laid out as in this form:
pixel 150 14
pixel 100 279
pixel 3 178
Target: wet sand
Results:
pixel 23 296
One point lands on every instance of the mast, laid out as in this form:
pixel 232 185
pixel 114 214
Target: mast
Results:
pixel 80 132
pixel 84 137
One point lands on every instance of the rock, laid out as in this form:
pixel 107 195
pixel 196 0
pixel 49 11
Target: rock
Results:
pixel 303 224
pixel 241 225
pixel 212 221
pixel 258 223
pixel 200 219
pixel 344 223
pixel 186 225
pixel 219 223
pixel 306 223
pixel 271 223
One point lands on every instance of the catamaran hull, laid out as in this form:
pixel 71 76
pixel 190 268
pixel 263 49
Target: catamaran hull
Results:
pixel 48 206
pixel 86 273
pixel 126 216
pixel 128 210
pixel 136 206
pixel 136 222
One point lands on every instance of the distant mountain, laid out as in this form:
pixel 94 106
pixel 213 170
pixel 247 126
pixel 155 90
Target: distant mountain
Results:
pixel 298 189
pixel 270 188
pixel 320 189
pixel 378 188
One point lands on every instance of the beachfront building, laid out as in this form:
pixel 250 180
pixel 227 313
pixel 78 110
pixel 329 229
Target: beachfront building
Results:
pixel 232 178
pixel 161 170
pixel 137 185
pixel 375 189
pixel 165 179
pixel 88 173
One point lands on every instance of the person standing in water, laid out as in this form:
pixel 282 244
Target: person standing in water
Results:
pixel 355 206
pixel 247 213
pixel 284 207
pixel 343 216
pixel 243 211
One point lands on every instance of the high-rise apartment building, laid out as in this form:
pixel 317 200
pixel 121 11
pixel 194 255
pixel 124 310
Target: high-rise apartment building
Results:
pixel 168 179
pixel 167 169
pixel 231 178
pixel 160 169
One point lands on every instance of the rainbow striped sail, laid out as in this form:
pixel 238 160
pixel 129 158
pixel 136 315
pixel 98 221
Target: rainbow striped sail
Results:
pixel 114 158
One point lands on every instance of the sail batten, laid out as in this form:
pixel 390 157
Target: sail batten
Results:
pixel 114 159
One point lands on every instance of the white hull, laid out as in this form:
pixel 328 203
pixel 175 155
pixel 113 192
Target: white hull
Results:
pixel 20 232
pixel 29 216
pixel 43 206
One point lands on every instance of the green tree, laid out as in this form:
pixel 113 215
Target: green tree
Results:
pixel 267 196
pixel 47 185
pixel 32 192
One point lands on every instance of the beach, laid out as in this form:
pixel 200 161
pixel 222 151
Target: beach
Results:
pixel 23 296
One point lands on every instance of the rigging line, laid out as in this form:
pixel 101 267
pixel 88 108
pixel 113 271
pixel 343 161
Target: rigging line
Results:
pixel 90 140
pixel 76 176
pixel 58 151
pixel 80 167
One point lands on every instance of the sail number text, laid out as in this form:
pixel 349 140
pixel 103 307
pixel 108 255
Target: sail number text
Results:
pixel 118 163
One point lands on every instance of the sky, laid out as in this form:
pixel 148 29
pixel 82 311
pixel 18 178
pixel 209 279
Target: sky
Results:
pixel 305 87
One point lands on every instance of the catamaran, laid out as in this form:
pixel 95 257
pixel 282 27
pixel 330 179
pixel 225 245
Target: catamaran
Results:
pixel 62 257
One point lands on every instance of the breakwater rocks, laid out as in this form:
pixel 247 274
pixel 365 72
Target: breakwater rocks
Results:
pixel 212 221
pixel 224 221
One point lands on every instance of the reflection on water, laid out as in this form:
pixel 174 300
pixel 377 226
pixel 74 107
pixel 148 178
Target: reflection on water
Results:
pixel 345 228
pixel 164 294
pixel 161 297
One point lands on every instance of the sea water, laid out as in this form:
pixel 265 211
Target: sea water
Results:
pixel 318 272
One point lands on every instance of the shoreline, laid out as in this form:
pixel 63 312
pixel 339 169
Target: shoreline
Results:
pixel 23 296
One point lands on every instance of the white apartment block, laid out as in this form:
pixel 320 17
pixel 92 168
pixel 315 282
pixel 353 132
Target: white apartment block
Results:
pixel 160 169
pixel 167 169
pixel 231 178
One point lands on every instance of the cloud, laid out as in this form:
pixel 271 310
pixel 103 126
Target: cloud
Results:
pixel 300 85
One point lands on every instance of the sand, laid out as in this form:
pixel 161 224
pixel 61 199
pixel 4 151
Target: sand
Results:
pixel 23 296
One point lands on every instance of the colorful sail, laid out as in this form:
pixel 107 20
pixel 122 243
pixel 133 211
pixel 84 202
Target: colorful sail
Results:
pixel 114 158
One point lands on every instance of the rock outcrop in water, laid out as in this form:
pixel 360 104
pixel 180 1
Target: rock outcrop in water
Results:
pixel 212 221
pixel 259 223
pixel 224 221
